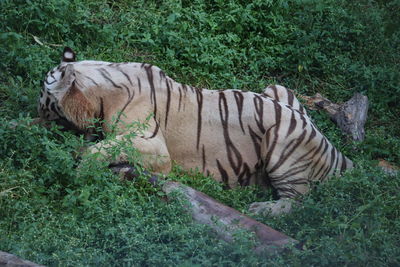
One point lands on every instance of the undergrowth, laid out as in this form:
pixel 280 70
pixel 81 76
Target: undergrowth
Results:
pixel 55 212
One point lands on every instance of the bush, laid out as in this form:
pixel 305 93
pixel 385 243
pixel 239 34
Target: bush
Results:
pixel 55 214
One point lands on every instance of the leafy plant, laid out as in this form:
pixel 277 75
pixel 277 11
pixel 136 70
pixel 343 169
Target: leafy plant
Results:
pixel 56 213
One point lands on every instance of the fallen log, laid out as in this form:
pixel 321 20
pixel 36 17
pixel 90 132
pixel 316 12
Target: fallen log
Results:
pixel 8 260
pixel 223 220
pixel 226 221
pixel 349 116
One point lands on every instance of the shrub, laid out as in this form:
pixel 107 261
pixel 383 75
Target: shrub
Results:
pixel 57 214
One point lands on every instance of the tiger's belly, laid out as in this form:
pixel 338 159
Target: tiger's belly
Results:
pixel 233 166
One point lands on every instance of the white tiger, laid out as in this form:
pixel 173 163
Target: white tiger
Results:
pixel 240 138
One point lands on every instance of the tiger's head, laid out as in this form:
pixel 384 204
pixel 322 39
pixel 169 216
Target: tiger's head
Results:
pixel 60 86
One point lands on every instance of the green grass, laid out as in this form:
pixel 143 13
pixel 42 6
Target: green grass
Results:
pixel 53 214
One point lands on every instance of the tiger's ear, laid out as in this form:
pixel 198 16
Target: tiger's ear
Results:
pixel 68 55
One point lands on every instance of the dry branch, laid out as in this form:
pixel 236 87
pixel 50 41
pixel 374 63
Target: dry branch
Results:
pixel 349 116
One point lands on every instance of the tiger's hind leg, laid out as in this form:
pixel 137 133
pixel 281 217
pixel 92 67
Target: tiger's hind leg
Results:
pixel 289 179
pixel 290 182
pixel 273 208
pixel 287 163
pixel 288 189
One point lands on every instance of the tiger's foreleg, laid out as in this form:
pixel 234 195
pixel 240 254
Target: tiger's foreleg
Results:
pixel 153 152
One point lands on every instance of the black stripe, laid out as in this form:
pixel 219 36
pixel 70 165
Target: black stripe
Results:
pixel 339 157
pixel 52 76
pixel 287 192
pixel 258 116
pixel 284 156
pixel 244 176
pixel 106 75
pixel 180 98
pixel 290 97
pixel 239 103
pixel 140 85
pixel 46 82
pixel 337 153
pixel 344 164
pixel 293 171
pixel 155 131
pixel 61 68
pixel 324 170
pixel 199 96
pixel 300 159
pixel 130 98
pixel 150 78
pixel 256 141
pixel 275 92
pixel 267 137
pixel 278 115
pixel 93 81
pixel 327 171
pixel 127 89
pixel 323 154
pixel 234 156
pixel 298 181
pixel 126 75
pixel 168 102
pixel 54 109
pixel 302 117
pixel 301 109
pixel 292 125
pixel 312 135
pixel 224 174
pixel 162 74
pixel 316 161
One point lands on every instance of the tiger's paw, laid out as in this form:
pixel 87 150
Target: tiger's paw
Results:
pixel 272 208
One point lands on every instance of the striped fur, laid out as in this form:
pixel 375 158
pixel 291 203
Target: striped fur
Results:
pixel 240 138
